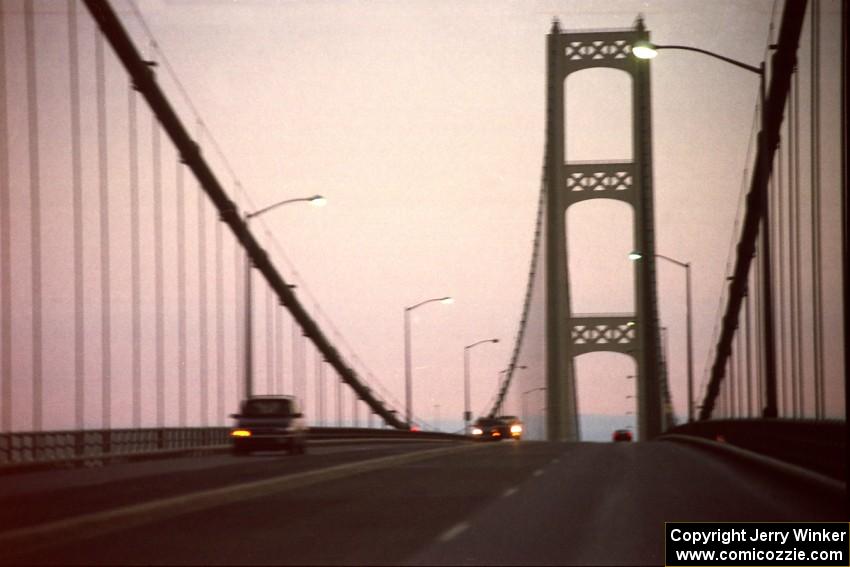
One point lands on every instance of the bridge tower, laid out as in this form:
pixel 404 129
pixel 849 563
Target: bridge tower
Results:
pixel 569 335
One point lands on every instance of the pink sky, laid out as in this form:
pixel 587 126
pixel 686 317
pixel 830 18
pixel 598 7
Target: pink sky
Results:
pixel 422 122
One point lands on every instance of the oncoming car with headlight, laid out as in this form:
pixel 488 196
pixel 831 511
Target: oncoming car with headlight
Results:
pixel 267 423
pixel 497 428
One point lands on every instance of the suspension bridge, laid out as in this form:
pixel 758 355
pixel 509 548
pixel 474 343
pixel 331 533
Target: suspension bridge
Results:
pixel 139 306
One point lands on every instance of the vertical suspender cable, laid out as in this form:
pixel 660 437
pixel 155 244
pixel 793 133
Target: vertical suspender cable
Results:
pixel 135 260
pixel 181 298
pixel 781 366
pixel 742 366
pixel 759 397
pixel 730 408
pixel 159 291
pixel 843 202
pixel 35 219
pixel 270 342
pixel 320 390
pixel 797 284
pixel 786 376
pixel 792 260
pixel 748 353
pixel 339 402
pixel 817 266
pixel 283 353
pixel 733 386
pixel 736 369
pixel 219 322
pixel 293 363
pixel 105 291
pixel 238 304
pixel 77 188
pixel 298 377
pixel 278 341
pixel 6 251
pixel 203 350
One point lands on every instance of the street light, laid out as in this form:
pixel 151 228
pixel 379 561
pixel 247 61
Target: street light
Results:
pixel 315 200
pixel 689 323
pixel 647 50
pixel 506 370
pixel 523 396
pixel 408 390
pixel 499 384
pixel 467 414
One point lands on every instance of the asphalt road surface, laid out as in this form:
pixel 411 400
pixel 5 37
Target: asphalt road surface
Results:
pixel 509 503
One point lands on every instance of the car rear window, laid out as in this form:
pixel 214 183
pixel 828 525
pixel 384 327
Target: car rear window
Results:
pixel 255 408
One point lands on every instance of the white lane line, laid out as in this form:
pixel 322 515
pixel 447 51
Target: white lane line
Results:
pixel 454 531
pixel 509 492
pixel 538 472
pixel 51 534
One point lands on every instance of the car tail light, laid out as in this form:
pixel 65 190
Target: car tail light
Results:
pixel 240 433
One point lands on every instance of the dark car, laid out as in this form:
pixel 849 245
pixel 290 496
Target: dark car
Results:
pixel 269 423
pixel 497 428
pixel 622 435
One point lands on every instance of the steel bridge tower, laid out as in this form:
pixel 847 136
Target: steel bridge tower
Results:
pixel 569 335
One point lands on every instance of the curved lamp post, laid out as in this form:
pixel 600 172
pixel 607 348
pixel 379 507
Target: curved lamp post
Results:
pixel 408 389
pixel 524 394
pixel 316 200
pixel 467 414
pixel 688 322
pixel 648 50
pixel 499 383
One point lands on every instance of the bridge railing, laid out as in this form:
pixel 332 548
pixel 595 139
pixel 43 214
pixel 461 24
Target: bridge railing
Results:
pixel 814 445
pixel 44 449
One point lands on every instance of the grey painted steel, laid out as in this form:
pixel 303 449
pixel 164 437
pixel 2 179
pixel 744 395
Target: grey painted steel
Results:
pixel 145 82
pixel 568 335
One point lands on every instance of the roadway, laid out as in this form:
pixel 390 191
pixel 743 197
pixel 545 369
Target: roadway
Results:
pixel 392 503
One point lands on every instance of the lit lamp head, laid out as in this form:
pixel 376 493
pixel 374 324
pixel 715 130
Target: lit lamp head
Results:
pixel 635 255
pixel 644 50
pixel 447 300
pixel 318 201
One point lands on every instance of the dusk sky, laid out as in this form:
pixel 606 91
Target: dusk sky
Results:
pixel 422 122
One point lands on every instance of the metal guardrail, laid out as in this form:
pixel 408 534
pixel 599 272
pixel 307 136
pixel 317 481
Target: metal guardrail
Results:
pixel 25 450
pixel 815 445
